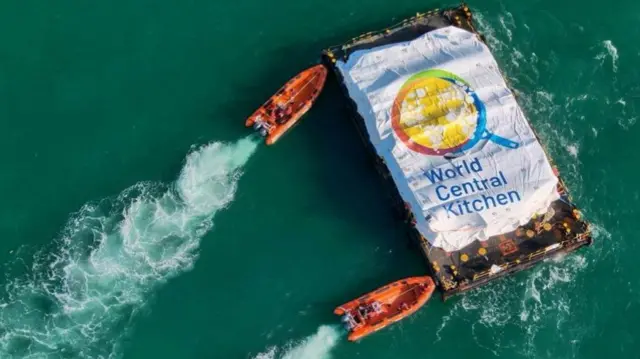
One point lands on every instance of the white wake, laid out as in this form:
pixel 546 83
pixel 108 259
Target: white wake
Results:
pixel 78 298
pixel 316 346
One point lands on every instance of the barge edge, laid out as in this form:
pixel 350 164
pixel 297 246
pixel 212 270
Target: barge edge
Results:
pixel 450 274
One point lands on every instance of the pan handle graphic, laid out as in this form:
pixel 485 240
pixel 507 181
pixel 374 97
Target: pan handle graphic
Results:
pixel 499 140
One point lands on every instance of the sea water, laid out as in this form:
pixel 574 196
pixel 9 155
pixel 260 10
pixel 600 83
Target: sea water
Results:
pixel 108 243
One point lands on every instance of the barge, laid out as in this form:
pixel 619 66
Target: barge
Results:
pixel 476 188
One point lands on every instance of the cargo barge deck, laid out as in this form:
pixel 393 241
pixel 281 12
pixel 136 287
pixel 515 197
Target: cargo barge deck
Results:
pixel 560 230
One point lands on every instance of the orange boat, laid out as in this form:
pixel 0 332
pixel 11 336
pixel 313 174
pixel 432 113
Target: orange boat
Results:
pixel 286 107
pixel 375 310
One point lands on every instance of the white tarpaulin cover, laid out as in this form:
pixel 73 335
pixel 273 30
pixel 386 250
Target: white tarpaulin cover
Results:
pixel 456 142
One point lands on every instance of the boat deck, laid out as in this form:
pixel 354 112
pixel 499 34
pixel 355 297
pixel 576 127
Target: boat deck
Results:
pixel 561 230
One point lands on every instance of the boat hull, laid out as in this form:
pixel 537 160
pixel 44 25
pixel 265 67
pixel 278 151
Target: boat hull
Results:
pixel 396 301
pixel 289 104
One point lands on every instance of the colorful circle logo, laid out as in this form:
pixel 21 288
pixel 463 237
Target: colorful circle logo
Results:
pixel 436 112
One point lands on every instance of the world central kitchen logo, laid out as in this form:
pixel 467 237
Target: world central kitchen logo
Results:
pixel 437 113
pixel 466 196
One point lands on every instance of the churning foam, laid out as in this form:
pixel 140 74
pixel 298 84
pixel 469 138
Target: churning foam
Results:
pixel 78 299
pixel 316 346
pixel 612 51
pixel 538 304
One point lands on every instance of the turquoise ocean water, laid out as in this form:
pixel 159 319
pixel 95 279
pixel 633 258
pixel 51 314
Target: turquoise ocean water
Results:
pixel 139 219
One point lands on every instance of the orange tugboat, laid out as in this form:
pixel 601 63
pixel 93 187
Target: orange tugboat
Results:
pixel 376 310
pixel 286 107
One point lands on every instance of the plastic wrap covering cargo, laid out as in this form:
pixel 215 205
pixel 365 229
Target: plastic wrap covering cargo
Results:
pixel 480 193
pixel 439 113
pixel 455 140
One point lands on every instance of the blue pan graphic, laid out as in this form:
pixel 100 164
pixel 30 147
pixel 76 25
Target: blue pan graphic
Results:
pixel 481 131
